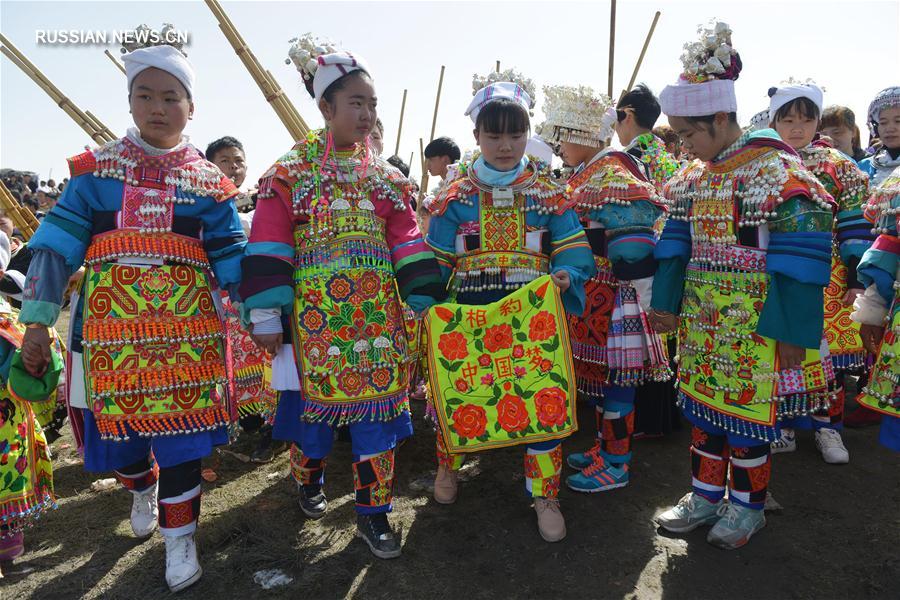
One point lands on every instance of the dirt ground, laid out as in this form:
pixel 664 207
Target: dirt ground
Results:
pixel 836 537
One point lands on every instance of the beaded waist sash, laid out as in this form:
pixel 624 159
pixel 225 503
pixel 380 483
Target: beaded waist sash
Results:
pixel 492 270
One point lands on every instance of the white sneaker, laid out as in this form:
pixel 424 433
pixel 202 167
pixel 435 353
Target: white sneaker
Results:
pixel 144 512
pixel 830 444
pixel 182 567
pixel 786 443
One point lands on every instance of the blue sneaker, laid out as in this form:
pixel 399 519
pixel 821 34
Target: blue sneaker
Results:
pixel 736 525
pixel 582 460
pixel 599 477
pixel 692 511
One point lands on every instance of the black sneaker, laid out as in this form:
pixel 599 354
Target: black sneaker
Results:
pixel 312 501
pixel 265 449
pixel 376 532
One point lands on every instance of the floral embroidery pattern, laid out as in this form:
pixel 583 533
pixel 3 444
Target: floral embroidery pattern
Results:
pixel 508 383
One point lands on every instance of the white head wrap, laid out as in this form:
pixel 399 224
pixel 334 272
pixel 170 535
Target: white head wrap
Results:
pixel 686 99
pixel 496 91
pixel 165 58
pixel 332 67
pixel 781 95
pixel 706 85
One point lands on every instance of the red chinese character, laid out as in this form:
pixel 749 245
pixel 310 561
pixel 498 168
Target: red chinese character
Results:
pixel 477 318
pixel 503 366
pixel 510 307
pixel 469 371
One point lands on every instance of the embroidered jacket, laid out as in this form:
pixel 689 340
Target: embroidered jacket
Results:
pixel 334 239
pixel 487 245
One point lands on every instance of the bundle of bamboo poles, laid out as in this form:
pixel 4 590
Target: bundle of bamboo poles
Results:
pixel 273 93
pixel 22 218
pixel 91 125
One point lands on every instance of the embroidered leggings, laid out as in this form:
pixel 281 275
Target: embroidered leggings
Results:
pixel 373 478
pixel 543 465
pixel 179 492
pixel 751 469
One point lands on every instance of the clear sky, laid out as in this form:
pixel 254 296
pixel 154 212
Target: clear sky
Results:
pixel 849 47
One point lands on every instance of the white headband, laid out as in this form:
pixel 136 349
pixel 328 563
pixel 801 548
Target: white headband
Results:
pixel 497 91
pixel 698 99
pixel 782 95
pixel 332 67
pixel 165 58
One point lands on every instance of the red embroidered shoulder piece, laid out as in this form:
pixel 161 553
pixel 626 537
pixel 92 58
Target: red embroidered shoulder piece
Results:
pixel 82 164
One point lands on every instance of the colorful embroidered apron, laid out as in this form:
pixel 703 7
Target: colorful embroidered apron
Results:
pixel 883 391
pixel 245 367
pixel 350 334
pixel 26 476
pixel 729 374
pixel 501 374
pixel 841 332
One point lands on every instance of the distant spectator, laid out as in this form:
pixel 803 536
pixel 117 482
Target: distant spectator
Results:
pixel 839 124
pixel 31 185
pixel 228 154
pixel 440 153
pixel 376 137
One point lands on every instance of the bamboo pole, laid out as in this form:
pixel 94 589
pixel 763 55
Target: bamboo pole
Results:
pixel 267 84
pixel 411 156
pixel 612 47
pixel 640 59
pixel 437 102
pixel 498 66
pixel 90 124
pixel 400 126
pixel 22 218
pixel 424 185
pixel 115 61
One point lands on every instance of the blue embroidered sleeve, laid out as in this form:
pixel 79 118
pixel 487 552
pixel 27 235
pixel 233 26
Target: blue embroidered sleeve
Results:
pixel 572 252
pixel 441 239
pixel 46 281
pixel 630 229
pixel 798 259
pixel 879 267
pixel 224 241
pixel 66 229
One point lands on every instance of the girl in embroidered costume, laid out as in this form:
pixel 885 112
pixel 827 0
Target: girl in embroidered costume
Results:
pixel 884 123
pixel 503 190
pixel 744 258
pixel 151 218
pixel 794 110
pixel 614 348
pixel 333 240
pixel 26 478
pixel 878 309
